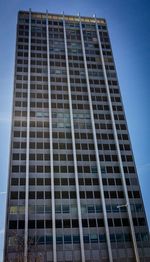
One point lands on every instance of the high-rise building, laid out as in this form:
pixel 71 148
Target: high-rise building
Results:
pixel 73 191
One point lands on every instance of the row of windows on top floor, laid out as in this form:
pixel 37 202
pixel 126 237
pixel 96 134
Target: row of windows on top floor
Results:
pixel 71 24
pixel 68 223
pixel 15 195
pixel 70 169
pixel 22 24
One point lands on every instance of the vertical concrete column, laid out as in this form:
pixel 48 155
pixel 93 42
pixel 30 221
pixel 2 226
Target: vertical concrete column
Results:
pixel 96 149
pixel 51 147
pixel 27 146
pixel 74 147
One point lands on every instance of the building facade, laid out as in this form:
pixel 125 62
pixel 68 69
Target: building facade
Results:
pixel 73 190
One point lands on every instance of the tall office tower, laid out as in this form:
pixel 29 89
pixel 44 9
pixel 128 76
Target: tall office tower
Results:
pixel 73 192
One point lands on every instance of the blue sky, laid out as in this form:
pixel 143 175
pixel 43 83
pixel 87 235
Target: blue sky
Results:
pixel 129 23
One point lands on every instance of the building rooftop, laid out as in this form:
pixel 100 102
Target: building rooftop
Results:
pixel 71 18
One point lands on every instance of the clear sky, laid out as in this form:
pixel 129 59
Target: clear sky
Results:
pixel 129 28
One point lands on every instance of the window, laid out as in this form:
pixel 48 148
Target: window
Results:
pixel 103 170
pixel 117 222
pixel 12 224
pixel 102 238
pixel 65 194
pixel 96 194
pixel 49 240
pixel 31 195
pixel 72 194
pixel 89 194
pixel 67 239
pixel 75 223
pixel 65 209
pixel 14 195
pixel 84 223
pixel 94 238
pixel 59 240
pixel 64 181
pixel 98 209
pixel 14 181
pixel 22 195
pixel 31 224
pixel 21 224
pixel 91 209
pixel 86 239
pixel 92 222
pixel 76 239
pixel 40 223
pixel 39 181
pixel 66 223
pixel 13 210
pixel 40 195
pixel 48 223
